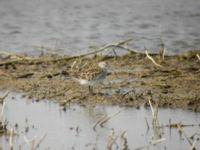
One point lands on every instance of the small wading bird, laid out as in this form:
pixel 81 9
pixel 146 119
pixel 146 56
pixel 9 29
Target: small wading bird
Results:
pixel 91 76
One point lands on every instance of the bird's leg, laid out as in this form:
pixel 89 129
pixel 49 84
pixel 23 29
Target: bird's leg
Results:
pixel 98 91
pixel 91 90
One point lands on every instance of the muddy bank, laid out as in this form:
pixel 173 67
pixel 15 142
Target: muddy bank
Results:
pixel 132 80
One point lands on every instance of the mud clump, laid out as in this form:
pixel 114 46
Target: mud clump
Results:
pixel 132 79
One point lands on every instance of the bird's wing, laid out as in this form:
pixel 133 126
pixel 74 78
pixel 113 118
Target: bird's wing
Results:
pixel 89 74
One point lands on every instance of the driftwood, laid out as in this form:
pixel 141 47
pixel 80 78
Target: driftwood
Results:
pixel 154 62
pixel 37 60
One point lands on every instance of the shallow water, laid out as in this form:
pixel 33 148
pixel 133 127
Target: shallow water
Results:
pixel 73 128
pixel 75 25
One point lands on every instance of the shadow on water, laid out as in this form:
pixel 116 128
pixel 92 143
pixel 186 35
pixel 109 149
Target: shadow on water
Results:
pixel 78 127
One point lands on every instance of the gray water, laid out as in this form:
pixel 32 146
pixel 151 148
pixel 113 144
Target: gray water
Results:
pixel 74 25
pixel 73 128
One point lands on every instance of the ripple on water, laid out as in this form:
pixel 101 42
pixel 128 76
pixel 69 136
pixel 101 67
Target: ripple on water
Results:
pixel 97 23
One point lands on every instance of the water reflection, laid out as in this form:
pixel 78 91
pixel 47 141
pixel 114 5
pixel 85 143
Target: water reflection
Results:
pixel 74 128
pixel 82 23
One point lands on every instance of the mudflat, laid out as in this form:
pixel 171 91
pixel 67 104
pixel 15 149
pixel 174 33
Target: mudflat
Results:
pixel 133 79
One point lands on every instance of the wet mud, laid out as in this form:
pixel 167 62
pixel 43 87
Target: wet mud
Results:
pixel 132 80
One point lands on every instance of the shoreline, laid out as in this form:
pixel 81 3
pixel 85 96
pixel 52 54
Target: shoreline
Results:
pixel 133 79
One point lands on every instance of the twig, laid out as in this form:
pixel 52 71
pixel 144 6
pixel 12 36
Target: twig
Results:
pixel 3 97
pixel 26 75
pixel 175 125
pixel 154 111
pixel 154 62
pixel 40 140
pixel 151 143
pixel 155 122
pixel 103 120
pixel 157 141
pixel 10 62
pixel 188 139
pixel 162 49
pixel 12 55
pixel 95 125
pixel 11 139
pixel 198 56
pixel 108 118
pixel 195 134
pixel 1 115
pixel 193 145
pixel 118 45
pixel 162 53
pixel 32 144
pixel 124 42
pixel 114 52
pixel 124 139
pixel 39 61
pixel 51 75
pixel 147 124
pixel 72 65
pixel 111 141
pixel 27 141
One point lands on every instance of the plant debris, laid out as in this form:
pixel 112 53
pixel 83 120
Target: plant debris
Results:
pixel 132 80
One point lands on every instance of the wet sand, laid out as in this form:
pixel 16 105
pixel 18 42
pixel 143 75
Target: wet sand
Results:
pixel 132 80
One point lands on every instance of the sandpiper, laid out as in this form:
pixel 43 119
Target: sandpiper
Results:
pixel 91 76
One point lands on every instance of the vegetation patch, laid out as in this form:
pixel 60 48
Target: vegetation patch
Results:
pixel 133 79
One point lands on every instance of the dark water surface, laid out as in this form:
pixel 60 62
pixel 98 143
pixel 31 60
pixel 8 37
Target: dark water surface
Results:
pixel 73 129
pixel 74 25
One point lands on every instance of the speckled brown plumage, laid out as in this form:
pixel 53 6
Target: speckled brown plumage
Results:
pixel 91 76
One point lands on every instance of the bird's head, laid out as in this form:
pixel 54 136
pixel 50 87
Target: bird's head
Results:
pixel 103 65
